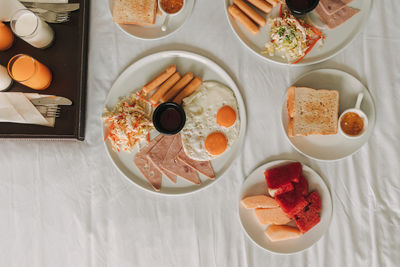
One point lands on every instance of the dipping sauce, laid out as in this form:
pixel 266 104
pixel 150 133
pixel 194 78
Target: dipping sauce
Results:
pixel 301 6
pixel 170 119
pixel 352 124
pixel 171 6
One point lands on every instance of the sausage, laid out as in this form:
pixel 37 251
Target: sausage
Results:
pixel 157 81
pixel 273 2
pixel 262 5
pixel 177 87
pixel 257 18
pixel 189 89
pixel 243 19
pixel 164 88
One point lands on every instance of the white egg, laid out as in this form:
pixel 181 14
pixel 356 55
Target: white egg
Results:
pixel 201 119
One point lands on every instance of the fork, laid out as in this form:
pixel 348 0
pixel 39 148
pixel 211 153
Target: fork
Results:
pixel 49 111
pixel 53 111
pixel 54 17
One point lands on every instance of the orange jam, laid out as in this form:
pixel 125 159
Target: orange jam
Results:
pixel 352 124
pixel 171 6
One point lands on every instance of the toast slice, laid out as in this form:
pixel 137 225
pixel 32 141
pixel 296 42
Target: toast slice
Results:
pixel 312 111
pixel 140 12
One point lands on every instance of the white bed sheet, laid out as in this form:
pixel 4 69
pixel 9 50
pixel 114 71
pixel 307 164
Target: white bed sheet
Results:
pixel 65 204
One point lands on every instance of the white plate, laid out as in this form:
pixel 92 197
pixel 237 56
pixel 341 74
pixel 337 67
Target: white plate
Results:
pixel 138 74
pixel 255 185
pixel 337 39
pixel 332 147
pixel 153 32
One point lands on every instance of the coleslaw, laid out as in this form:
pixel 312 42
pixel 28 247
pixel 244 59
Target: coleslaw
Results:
pixel 290 37
pixel 128 123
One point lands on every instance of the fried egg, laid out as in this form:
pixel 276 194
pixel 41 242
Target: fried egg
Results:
pixel 212 121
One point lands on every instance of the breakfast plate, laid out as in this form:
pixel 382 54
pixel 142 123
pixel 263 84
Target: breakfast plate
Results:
pixel 336 39
pixel 332 147
pixel 153 32
pixel 137 75
pixel 255 184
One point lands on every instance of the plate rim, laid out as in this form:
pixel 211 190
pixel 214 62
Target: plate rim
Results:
pixel 156 38
pixel 239 99
pixel 279 161
pixel 337 159
pixel 363 25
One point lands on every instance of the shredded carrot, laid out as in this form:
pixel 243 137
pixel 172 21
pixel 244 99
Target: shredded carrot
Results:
pixel 148 137
pixel 308 49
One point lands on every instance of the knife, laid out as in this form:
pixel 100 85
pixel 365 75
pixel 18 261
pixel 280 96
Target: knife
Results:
pixel 51 100
pixel 53 7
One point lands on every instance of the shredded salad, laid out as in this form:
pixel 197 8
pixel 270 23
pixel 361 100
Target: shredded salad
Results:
pixel 127 124
pixel 291 37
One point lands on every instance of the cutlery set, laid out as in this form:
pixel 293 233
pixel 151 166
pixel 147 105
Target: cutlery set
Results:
pixel 52 13
pixel 49 107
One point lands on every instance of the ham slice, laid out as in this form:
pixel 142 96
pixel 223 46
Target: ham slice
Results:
pixel 336 19
pixel 157 154
pixel 172 164
pixel 146 167
pixel 204 167
pixel 332 6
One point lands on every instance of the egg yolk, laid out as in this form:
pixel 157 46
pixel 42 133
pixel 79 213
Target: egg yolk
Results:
pixel 216 143
pixel 226 116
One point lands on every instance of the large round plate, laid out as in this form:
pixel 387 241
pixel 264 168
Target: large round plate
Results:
pixel 332 147
pixel 255 185
pixel 153 32
pixel 138 74
pixel 337 39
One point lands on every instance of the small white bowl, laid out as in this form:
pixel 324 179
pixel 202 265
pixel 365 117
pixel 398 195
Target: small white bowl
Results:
pixel 170 14
pixel 167 15
pixel 360 113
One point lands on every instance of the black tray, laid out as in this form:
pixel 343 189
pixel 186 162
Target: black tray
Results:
pixel 67 60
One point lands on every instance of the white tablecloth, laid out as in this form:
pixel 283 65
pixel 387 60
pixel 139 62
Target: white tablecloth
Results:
pixel 65 204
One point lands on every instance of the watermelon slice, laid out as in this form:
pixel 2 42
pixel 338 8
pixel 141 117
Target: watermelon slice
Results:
pixel 302 185
pixel 309 217
pixel 279 179
pixel 306 219
pixel 314 201
pixel 292 202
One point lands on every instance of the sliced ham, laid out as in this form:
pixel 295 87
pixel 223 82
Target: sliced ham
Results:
pixel 336 19
pixel 332 6
pixel 169 174
pixel 146 167
pixel 157 154
pixel 204 167
pixel 172 164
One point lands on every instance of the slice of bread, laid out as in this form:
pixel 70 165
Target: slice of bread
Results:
pixel 312 111
pixel 140 12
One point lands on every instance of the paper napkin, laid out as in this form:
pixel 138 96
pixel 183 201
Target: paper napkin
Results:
pixel 17 107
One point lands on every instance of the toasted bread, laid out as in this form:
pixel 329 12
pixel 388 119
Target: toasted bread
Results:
pixel 140 12
pixel 312 111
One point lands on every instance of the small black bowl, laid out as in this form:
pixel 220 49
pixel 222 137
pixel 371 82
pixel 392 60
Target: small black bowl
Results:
pixel 301 7
pixel 169 118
